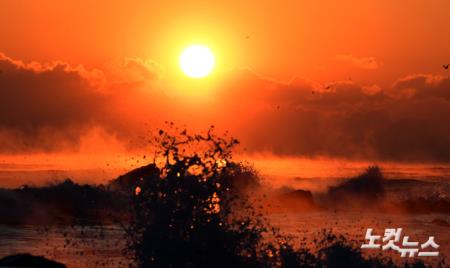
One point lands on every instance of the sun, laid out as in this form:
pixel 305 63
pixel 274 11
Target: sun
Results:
pixel 197 61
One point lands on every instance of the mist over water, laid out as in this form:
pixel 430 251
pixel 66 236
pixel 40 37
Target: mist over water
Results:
pixel 302 198
pixel 313 174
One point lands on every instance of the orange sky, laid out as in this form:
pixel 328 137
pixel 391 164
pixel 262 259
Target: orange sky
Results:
pixel 292 38
pixel 341 79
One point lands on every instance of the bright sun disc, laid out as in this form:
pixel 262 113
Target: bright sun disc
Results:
pixel 197 61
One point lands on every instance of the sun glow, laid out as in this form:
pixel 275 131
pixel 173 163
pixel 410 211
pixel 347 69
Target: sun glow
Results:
pixel 197 61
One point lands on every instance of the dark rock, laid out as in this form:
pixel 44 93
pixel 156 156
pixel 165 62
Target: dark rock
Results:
pixel 30 261
pixel 128 181
pixel 297 200
pixel 363 190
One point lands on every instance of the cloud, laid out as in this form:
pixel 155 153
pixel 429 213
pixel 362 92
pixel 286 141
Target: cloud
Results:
pixel 369 63
pixel 35 95
pixel 51 106
pixel 347 120
pixel 132 71
pixel 423 86
pixel 55 106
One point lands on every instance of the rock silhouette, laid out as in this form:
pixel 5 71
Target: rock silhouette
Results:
pixel 30 261
pixel 361 191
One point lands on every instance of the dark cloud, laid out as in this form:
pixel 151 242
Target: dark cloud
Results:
pixel 349 120
pixel 49 107
pixel 35 98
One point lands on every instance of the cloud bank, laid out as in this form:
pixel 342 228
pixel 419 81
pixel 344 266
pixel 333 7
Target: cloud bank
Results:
pixel 407 122
pixel 50 107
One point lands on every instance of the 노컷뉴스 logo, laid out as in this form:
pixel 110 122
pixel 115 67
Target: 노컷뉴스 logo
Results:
pixel 392 241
